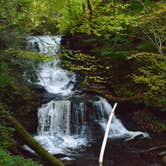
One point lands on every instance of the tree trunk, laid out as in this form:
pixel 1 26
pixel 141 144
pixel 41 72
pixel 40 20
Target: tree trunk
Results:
pixel 32 143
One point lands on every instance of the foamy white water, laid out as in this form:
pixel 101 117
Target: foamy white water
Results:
pixel 117 128
pixel 44 44
pixel 50 74
pixel 54 127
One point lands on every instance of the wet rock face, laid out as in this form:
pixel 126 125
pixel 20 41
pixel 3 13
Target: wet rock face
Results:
pixel 26 111
pixel 78 42
pixel 28 119
pixel 22 101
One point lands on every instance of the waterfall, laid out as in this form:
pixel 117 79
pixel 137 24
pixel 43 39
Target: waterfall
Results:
pixel 117 128
pixel 54 117
pixel 60 127
pixel 65 124
pixel 50 75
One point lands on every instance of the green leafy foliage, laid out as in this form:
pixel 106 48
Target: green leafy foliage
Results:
pixel 151 69
pixel 6 135
pixel 87 66
pixel 6 131
pixel 7 159
pixel 19 18
pixel 119 30
pixel 92 17
pixel 152 23
pixel 16 18
pixel 127 28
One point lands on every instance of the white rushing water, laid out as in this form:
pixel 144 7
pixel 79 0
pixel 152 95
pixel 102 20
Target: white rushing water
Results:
pixel 63 124
pixel 56 125
pixel 50 75
pixel 117 128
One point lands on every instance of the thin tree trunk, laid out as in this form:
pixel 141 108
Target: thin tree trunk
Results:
pixel 106 135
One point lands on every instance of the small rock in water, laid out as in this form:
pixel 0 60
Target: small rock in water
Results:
pixel 66 158
pixel 47 97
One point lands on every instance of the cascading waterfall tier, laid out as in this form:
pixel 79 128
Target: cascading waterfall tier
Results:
pixel 50 75
pixel 117 128
pixel 65 124
pixel 56 122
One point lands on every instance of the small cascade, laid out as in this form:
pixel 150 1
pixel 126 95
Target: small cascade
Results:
pixel 50 75
pixel 65 124
pixel 117 128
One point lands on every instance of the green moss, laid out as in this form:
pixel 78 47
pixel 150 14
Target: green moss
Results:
pixel 5 78
pixel 7 159
pixel 6 136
